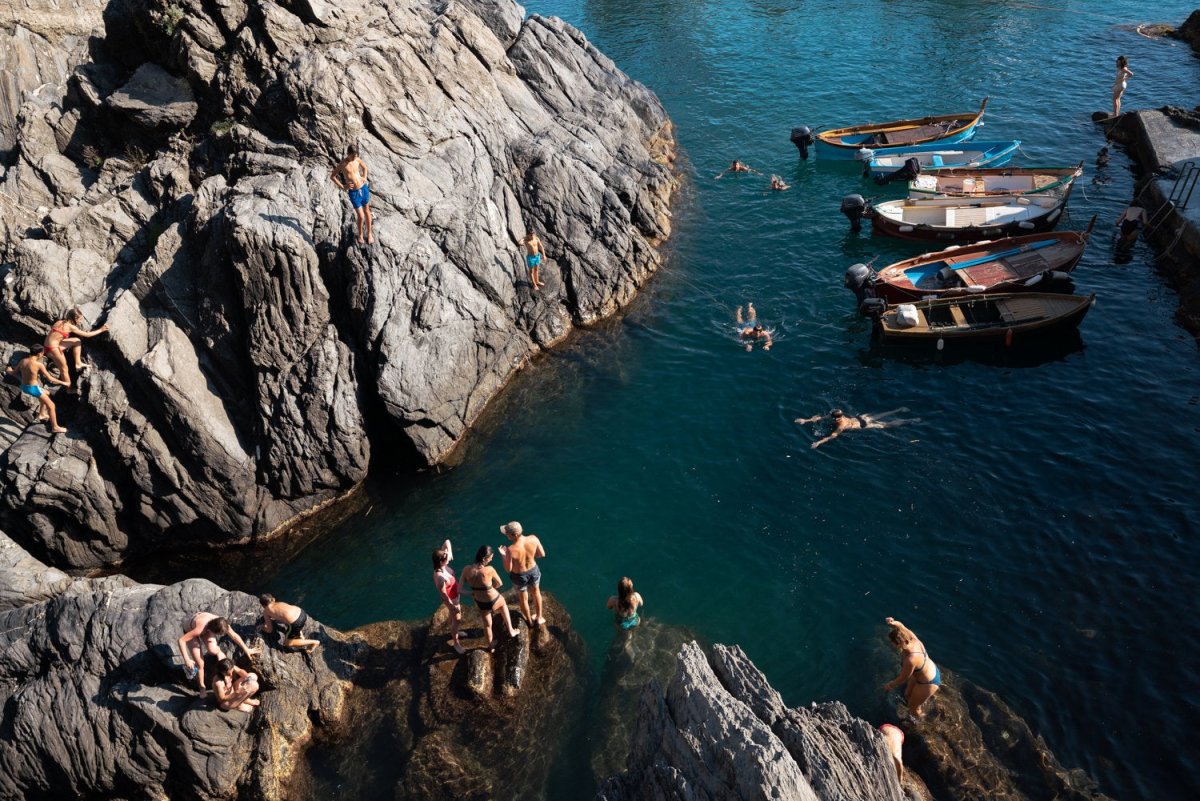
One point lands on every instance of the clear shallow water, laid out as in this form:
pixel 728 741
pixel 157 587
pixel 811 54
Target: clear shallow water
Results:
pixel 1036 528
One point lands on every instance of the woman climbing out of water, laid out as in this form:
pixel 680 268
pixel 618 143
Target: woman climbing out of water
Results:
pixel 625 605
pixel 918 673
pixel 65 335
pixel 447 587
pixel 1123 76
pixel 485 586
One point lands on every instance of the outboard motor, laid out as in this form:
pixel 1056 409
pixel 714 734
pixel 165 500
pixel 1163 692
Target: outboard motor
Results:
pixel 802 138
pixel 858 280
pixel 1052 281
pixel 872 307
pixel 947 277
pixel 910 170
pixel 854 207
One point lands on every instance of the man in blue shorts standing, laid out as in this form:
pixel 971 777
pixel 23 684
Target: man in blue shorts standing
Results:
pixel 535 254
pixel 350 175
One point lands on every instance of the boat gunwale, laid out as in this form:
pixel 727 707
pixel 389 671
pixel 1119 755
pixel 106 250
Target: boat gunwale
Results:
pixel 972 118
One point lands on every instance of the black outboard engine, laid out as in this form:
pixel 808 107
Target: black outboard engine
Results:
pixel 858 280
pixel 872 307
pixel 910 170
pixel 854 207
pixel 802 138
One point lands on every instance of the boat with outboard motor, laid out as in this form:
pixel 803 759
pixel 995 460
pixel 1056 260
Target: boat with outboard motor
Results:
pixel 983 319
pixel 1017 181
pixel 1039 263
pixel 961 219
pixel 889 164
pixel 844 143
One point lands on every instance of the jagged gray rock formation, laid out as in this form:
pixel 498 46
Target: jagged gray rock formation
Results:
pixel 251 339
pixel 721 731
pixel 93 703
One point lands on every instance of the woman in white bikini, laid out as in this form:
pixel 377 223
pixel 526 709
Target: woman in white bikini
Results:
pixel 1123 76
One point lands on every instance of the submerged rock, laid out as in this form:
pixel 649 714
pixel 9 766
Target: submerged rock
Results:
pixel 720 731
pixel 249 332
pixel 973 747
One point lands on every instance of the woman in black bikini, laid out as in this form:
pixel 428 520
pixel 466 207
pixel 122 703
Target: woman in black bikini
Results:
pixel 485 586
pixel 844 422
pixel 921 677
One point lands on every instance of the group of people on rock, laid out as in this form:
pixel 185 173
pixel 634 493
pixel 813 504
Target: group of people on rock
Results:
pixel 65 337
pixel 233 686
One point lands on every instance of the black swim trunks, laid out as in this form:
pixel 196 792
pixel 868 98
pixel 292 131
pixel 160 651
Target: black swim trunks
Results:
pixel 292 631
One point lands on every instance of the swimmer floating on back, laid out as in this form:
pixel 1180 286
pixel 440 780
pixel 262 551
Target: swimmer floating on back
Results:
pixel 843 422
pixel 750 330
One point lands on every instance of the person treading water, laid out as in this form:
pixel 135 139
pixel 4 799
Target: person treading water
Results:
pixel 750 330
pixel 843 422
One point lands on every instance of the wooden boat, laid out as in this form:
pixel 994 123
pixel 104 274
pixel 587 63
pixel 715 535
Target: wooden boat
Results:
pixel 843 143
pixel 953 219
pixel 1017 264
pixel 974 182
pixel 937 156
pixel 983 319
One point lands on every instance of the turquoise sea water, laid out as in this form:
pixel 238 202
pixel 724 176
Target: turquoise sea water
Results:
pixel 1037 528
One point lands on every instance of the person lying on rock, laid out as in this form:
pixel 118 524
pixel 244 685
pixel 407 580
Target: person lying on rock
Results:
pixel 200 635
pixel 520 560
pixel 736 167
pixel 918 673
pixel 234 687
pixel 350 175
pixel 485 586
pixel 29 371
pixel 843 422
pixel 535 254
pixel 625 605
pixel 751 330
pixel 65 335
pixel 286 620
pixel 447 587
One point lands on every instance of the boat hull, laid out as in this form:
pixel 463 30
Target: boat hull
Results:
pixel 919 231
pixel 842 144
pixel 1004 333
pixel 976 182
pixel 978 155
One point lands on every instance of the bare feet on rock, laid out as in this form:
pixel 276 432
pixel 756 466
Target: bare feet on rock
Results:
pixel 58 430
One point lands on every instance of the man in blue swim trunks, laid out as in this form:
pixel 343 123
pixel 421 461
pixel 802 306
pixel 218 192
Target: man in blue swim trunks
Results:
pixel 350 175
pixel 534 255
pixel 29 370
pixel 520 560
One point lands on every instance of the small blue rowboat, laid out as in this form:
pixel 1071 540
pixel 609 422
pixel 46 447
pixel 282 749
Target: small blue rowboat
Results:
pixel 843 143
pixel 939 156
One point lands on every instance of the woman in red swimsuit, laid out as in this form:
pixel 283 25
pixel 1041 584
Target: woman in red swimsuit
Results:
pixel 64 335
pixel 447 587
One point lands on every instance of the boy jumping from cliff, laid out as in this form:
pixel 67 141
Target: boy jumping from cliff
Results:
pixel 350 175
pixel 29 370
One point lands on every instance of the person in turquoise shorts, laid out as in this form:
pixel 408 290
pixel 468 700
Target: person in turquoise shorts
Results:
pixel 535 254
pixel 350 175
pixel 625 605
pixel 30 370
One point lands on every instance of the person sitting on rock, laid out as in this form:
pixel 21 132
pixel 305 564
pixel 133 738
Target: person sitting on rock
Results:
pixel 447 587
pixel 535 254
pixel 625 605
pixel 751 330
pixel 918 673
pixel 485 586
pixel 287 621
pixel 778 185
pixel 29 371
pixel 234 687
pixel 65 335
pixel 350 175
pixel 735 167
pixel 520 560
pixel 843 422
pixel 200 635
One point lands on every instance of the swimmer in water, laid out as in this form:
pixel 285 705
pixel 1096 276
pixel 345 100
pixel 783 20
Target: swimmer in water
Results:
pixel 843 422
pixel 750 330
pixel 1130 223
pixel 736 166
pixel 778 185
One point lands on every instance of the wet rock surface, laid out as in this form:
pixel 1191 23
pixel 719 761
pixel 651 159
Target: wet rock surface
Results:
pixel 720 731
pixel 95 704
pixel 171 178
pixel 974 747
pixel 1189 31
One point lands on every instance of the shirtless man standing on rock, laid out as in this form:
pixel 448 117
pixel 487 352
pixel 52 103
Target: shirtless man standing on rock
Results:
pixel 520 560
pixel 29 370
pixel 350 175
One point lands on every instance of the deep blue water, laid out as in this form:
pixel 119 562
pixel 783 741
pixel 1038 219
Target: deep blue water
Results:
pixel 1036 528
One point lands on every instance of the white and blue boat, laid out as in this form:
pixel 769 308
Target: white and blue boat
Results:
pixel 881 163
pixel 844 143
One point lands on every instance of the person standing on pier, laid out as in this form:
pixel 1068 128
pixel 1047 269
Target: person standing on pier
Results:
pixel 918 673
pixel 1123 76
pixel 520 560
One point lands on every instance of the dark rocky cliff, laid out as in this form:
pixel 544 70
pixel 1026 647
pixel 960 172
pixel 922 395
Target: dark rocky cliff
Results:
pixel 171 177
